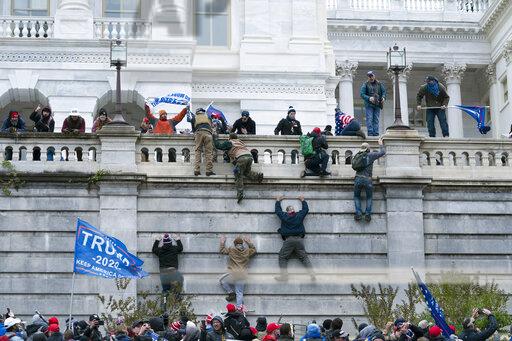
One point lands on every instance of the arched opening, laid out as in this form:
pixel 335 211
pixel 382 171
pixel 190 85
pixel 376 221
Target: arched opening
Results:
pixel 23 101
pixel 23 154
pixel 425 159
pixel 439 159
pixel 36 154
pixel 281 156
pixel 158 154
pixel 254 153
pixel 79 154
pixel 172 155
pixel 465 159
pixel 504 159
pixel 50 153
pixel 267 156
pixel 335 157
pixel 452 159
pixel 185 154
pixel 492 159
pixel 144 155
pixel 295 157
pixel 478 159
pixel 8 153
pixel 92 154
pixel 133 106
pixel 64 154
pixel 348 157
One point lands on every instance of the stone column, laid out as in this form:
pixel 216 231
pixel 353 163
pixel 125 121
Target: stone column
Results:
pixel 453 74
pixel 330 88
pixel 402 83
pixel 74 20
pixel 490 72
pixel 346 70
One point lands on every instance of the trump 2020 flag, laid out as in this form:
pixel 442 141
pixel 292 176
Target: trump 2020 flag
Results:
pixel 171 103
pixel 478 113
pixel 211 110
pixel 434 308
pixel 97 254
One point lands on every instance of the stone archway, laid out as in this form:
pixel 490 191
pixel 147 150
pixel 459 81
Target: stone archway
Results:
pixel 23 101
pixel 133 106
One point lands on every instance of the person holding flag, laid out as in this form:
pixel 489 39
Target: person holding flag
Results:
pixel 162 125
pixel 436 99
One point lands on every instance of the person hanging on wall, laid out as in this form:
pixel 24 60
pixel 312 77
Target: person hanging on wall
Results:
pixel 167 250
pixel 202 128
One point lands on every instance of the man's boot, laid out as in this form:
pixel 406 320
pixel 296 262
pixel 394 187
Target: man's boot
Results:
pixel 240 196
pixel 283 277
pixel 231 297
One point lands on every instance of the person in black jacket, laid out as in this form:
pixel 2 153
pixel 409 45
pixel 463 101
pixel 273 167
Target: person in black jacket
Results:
pixel 234 321
pixel 470 333
pixel 406 330
pixel 292 231
pixel 44 121
pixel 92 332
pixel 289 125
pixel 244 125
pixel 167 250
pixel 317 163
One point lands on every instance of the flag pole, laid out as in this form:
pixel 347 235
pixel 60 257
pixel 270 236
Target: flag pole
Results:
pixel 70 325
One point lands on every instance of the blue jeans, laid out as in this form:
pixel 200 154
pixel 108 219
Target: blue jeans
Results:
pixel 351 129
pixel 372 120
pixel 231 284
pixel 170 277
pixel 359 184
pixel 441 116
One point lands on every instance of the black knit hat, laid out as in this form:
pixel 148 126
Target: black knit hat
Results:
pixel 290 109
pixel 261 324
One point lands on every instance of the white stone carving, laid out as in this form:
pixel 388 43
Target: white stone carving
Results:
pixel 346 69
pixel 257 88
pixel 453 72
pixel 490 73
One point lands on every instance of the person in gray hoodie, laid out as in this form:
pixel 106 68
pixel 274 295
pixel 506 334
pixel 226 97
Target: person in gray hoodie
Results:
pixel 218 333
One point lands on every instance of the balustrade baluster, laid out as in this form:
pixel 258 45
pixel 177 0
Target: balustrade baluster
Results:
pixel 16 28
pixel 2 28
pixel 49 29
pixel 106 32
pixel 24 32
pixel 122 30
pixel 98 31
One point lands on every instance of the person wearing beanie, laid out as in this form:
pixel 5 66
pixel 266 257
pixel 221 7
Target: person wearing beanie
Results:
pixel 233 282
pixel 373 94
pixel 101 120
pixel 313 333
pixel 146 126
pixel 347 125
pixel 316 163
pixel 218 332
pixel 235 321
pixel 192 333
pixel 74 123
pixel 470 333
pixel 13 123
pixel 162 125
pixel 261 327
pixel 363 179
pixel 167 250
pixel 242 159
pixel 43 121
pixel 436 99
pixel 203 139
pixel 292 232
pixel 244 125
pixel 53 320
pixel 289 125
pixel 370 333
pixel 285 332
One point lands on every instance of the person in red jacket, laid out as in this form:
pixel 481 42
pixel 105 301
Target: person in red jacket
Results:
pixel 162 125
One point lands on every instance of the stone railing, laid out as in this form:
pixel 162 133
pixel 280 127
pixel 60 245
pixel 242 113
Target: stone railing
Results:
pixel 26 27
pixel 116 28
pixel 465 6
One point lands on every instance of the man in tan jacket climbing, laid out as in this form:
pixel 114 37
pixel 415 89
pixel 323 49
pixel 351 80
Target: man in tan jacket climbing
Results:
pixel 234 281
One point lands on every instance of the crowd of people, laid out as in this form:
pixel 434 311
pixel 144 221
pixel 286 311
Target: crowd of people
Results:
pixel 233 325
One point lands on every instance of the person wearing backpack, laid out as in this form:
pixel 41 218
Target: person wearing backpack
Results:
pixel 362 163
pixel 373 93
pixel 234 321
pixel 315 157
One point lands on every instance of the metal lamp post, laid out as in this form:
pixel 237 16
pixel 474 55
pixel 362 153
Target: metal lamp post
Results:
pixel 397 63
pixel 118 58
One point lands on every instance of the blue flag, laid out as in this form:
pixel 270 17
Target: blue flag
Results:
pixel 97 254
pixel 177 98
pixel 478 113
pixel 210 110
pixel 434 308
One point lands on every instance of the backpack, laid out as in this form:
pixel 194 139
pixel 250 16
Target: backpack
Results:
pixel 306 145
pixel 236 325
pixel 360 161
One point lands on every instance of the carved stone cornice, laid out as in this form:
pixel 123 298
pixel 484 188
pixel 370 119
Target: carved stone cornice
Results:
pixel 494 14
pixel 91 57
pixel 453 72
pixel 490 73
pixel 507 51
pixel 258 88
pixel 346 69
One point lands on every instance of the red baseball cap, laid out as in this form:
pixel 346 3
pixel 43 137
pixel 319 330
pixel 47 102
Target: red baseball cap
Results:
pixel 176 325
pixel 317 130
pixel 14 114
pixel 231 308
pixel 53 320
pixel 434 331
pixel 272 326
pixel 54 328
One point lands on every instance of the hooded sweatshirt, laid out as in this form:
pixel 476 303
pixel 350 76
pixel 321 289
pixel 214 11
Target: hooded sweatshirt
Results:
pixel 313 333
pixel 369 332
pixel 214 335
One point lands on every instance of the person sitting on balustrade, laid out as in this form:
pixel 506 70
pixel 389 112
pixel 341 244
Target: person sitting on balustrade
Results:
pixel 162 125
pixel 317 162
pixel 347 125
pixel 74 123
pixel 13 123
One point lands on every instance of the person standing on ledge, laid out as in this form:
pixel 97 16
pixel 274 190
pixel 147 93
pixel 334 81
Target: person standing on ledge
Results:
pixel 292 232
pixel 373 93
pixel 202 128
pixel 289 125
pixel 436 99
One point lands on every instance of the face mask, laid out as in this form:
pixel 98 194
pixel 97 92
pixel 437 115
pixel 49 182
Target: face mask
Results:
pixel 240 247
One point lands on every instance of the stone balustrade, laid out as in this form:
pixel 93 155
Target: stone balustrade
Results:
pixel 118 28
pixel 26 27
pixel 465 6
pixel 275 155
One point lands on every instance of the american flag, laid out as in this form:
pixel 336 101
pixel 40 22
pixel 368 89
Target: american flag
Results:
pixel 434 308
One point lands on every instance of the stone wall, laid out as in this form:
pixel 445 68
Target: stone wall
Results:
pixel 450 215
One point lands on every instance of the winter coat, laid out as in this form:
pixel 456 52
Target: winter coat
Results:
pixel 167 126
pixel 319 144
pixel 369 89
pixel 233 321
pixel 432 100
pixel 238 259
pixel 93 334
pixel 20 126
pixel 98 124
pixel 122 337
pixel 70 125
pixel 367 172
pixel 168 253
pixel 292 225
pixel 249 125
pixel 286 127
pixel 471 334
pixel 43 124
